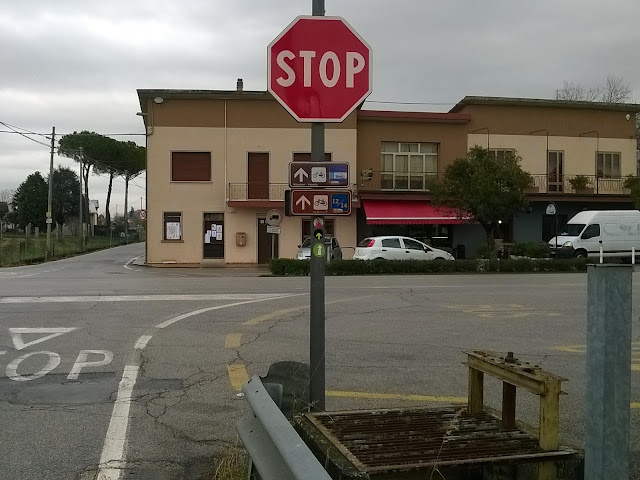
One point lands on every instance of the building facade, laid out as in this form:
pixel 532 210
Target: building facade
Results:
pixel 218 162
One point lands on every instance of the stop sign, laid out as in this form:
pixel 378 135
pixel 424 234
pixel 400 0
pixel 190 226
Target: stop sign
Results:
pixel 319 69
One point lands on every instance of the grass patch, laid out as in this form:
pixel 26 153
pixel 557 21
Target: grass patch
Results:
pixel 232 465
pixel 19 250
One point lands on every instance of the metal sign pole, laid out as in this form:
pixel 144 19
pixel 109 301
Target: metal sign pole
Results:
pixel 316 302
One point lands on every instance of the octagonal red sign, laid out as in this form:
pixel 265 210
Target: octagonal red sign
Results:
pixel 319 69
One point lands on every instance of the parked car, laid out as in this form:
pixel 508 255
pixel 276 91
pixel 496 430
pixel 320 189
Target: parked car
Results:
pixel 304 250
pixel 397 248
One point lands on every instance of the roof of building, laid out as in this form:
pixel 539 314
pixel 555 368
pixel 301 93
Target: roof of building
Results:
pixel 217 94
pixel 413 116
pixel 545 103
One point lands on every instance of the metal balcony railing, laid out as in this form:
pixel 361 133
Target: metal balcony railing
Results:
pixel 585 184
pixel 257 191
pixel 542 183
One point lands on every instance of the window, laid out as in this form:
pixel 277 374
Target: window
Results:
pixel 501 152
pixel 555 171
pixel 608 165
pixel 591 231
pixel 408 166
pixel 190 166
pixel 391 243
pixel 306 157
pixel 172 226
pixel 412 244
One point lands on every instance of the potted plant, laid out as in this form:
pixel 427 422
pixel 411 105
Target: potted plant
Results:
pixel 580 184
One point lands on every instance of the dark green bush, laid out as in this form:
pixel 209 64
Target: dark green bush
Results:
pixel 290 267
pixel 531 249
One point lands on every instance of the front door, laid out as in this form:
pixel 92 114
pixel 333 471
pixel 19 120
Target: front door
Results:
pixel 258 176
pixel 267 242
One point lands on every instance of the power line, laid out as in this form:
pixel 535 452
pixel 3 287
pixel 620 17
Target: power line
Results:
pixel 25 135
pixel 411 103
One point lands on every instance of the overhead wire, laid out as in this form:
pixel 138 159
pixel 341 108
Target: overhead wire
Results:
pixel 25 135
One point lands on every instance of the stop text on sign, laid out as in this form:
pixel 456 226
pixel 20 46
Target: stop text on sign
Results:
pixel 329 68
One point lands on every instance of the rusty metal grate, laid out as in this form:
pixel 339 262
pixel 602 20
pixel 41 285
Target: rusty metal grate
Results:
pixel 377 441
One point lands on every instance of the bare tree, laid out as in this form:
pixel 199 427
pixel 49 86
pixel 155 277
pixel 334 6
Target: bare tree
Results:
pixel 6 195
pixel 615 90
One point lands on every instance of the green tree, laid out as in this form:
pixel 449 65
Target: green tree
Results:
pixel 66 190
pixel 488 187
pixel 30 202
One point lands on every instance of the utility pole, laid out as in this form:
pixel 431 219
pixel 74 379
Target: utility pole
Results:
pixel 81 225
pixel 316 274
pixel 50 195
pixel 126 205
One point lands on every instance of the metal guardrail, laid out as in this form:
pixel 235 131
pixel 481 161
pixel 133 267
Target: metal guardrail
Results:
pixel 275 448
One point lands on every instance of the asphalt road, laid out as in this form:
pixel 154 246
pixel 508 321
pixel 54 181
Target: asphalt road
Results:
pixel 111 370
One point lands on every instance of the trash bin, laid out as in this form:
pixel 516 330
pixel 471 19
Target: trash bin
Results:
pixel 460 254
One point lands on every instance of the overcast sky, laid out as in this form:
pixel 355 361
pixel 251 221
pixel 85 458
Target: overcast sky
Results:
pixel 76 64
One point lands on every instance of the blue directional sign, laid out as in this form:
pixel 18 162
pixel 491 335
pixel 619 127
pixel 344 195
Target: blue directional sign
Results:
pixel 341 202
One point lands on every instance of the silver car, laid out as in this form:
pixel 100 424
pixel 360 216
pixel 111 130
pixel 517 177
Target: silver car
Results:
pixel 397 248
pixel 304 250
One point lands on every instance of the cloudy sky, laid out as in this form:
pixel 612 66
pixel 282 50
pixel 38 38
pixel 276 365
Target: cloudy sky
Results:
pixel 76 64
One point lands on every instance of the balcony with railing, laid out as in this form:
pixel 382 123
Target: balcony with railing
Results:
pixel 377 181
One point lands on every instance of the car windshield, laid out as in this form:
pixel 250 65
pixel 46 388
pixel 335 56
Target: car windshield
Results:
pixel 572 229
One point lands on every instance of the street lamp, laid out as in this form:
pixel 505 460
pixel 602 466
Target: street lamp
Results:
pixel 480 129
pixel 597 151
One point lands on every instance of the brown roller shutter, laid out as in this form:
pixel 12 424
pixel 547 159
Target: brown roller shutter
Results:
pixel 191 166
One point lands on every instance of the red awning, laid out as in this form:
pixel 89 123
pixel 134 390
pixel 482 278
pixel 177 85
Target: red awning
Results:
pixel 410 212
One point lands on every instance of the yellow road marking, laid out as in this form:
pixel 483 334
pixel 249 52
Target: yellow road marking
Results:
pixel 635 349
pixel 237 375
pixel 635 367
pixel 232 340
pixel 278 313
pixel 511 310
pixel 394 396
pixel 635 404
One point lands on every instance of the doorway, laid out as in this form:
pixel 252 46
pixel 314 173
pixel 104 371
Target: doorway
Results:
pixel 266 249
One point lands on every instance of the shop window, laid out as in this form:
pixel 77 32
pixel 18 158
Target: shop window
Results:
pixel 190 166
pixel 172 226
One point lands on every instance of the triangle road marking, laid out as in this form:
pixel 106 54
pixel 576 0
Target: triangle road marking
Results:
pixel 19 343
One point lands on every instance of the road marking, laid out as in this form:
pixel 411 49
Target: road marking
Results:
pixel 12 368
pixel 19 343
pixel 237 375
pixel 142 342
pixel 149 298
pixel 279 313
pixel 171 321
pixel 395 396
pixel 511 310
pixel 112 457
pixel 32 274
pixel 126 265
pixel 635 405
pixel 232 340
pixel 81 361
pixel 112 460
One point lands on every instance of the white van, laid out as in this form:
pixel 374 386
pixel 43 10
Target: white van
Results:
pixel 616 230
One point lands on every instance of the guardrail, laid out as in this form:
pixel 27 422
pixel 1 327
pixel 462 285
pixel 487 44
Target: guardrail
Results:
pixel 275 448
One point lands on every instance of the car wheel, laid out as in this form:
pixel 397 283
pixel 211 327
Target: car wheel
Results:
pixel 581 254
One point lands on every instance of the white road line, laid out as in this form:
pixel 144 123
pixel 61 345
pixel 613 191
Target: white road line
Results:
pixel 140 298
pixel 114 445
pixel 126 265
pixel 34 274
pixel 171 321
pixel 112 460
pixel 142 342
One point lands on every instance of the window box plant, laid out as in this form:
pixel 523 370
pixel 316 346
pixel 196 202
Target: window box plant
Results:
pixel 580 184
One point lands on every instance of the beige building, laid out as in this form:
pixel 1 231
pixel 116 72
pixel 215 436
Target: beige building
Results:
pixel 217 163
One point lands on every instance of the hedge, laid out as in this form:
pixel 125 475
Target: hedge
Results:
pixel 290 267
